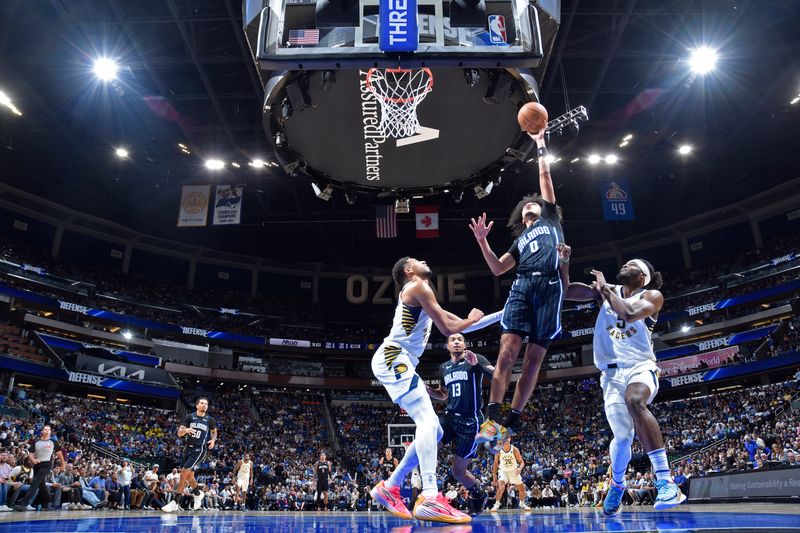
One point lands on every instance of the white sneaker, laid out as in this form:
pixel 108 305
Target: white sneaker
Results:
pixel 495 508
pixel 86 507
pixel 198 501
pixel 5 509
pixel 171 507
pixel 524 507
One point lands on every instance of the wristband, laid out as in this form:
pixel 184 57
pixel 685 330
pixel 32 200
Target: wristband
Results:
pixel 542 151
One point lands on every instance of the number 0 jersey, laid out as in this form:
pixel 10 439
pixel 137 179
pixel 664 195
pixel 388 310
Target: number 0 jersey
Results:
pixel 535 250
pixel 623 343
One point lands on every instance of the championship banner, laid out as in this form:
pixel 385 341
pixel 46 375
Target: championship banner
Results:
pixel 193 211
pixel 228 204
pixel 427 221
pixel 617 201
pixel 705 361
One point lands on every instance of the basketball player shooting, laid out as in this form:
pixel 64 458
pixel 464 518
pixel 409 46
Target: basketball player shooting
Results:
pixel 394 365
pixel 461 386
pixel 195 430
pixel 623 352
pixel 533 307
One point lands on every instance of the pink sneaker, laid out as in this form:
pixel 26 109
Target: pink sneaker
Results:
pixel 439 510
pixel 390 498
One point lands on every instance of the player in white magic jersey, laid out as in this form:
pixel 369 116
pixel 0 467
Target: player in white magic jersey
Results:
pixel 623 352
pixel 394 365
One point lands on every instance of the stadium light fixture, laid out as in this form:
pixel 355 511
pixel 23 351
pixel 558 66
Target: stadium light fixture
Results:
pixel 323 193
pixel 122 153
pixel 214 164
pixel 5 101
pixel 628 138
pixel 685 149
pixel 684 329
pixel 703 60
pixel 257 163
pixel 623 144
pixel 611 159
pixel 795 100
pixel 594 159
pixel 575 160
pixel 235 164
pixel 105 68
pixel 127 335
pixel 550 158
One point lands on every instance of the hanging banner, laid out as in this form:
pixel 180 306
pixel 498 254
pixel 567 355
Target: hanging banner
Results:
pixel 427 218
pixel 194 206
pixel 617 201
pixel 228 204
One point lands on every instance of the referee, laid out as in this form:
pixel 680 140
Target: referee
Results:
pixel 41 458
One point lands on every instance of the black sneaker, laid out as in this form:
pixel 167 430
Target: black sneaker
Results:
pixel 477 502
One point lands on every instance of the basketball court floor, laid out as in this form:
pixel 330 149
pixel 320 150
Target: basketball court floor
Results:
pixel 731 517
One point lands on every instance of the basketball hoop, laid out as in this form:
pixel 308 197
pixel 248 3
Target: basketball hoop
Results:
pixel 399 91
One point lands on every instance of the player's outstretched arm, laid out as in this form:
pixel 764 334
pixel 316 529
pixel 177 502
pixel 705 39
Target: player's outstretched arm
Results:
pixel 545 181
pixel 439 393
pixel 443 320
pixel 649 304
pixel 481 230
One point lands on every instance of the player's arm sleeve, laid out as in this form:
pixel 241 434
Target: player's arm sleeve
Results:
pixel 513 251
pixel 484 366
pixel 212 424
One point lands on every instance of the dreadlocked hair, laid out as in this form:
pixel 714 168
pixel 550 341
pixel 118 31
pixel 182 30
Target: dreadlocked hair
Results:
pixel 515 219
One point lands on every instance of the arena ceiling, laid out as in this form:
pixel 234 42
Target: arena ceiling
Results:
pixel 187 77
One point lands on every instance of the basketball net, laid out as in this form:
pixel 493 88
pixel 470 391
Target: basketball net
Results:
pixel 399 91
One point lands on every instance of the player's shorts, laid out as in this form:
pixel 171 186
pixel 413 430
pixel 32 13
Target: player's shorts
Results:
pixel 461 432
pixel 242 483
pixel 615 381
pixel 511 478
pixel 322 487
pixel 533 308
pixel 416 480
pixel 396 370
pixel 192 457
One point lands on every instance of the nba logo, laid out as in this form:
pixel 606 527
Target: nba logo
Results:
pixel 497 29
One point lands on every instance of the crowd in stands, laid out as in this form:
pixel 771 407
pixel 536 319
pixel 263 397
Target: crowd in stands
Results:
pixel 159 300
pixel 564 445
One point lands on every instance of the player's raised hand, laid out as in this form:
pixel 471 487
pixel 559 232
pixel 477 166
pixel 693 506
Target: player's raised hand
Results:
pixel 479 227
pixel 538 137
pixel 564 252
pixel 475 314
pixel 600 279
pixel 471 358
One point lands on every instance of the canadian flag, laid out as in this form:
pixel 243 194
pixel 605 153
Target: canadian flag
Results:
pixel 427 221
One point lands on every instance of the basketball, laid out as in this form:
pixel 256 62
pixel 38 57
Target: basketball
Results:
pixel 532 117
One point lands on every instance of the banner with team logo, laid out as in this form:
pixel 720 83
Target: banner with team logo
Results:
pixel 228 204
pixel 617 201
pixel 193 211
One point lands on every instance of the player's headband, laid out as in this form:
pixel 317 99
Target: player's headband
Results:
pixel 643 267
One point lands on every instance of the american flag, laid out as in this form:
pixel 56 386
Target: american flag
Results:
pixel 385 222
pixel 303 37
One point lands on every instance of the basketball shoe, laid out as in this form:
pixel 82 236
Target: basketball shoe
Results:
pixel 669 495
pixel 492 434
pixel 390 498
pixel 613 499
pixel 438 509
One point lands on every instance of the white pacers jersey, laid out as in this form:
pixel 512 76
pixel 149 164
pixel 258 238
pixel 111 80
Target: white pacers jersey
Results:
pixel 244 470
pixel 624 343
pixel 508 462
pixel 411 328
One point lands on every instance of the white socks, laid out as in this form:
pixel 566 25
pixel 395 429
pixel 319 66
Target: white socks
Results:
pixel 658 458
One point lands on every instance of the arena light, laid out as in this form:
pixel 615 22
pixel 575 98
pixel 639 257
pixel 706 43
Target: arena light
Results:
pixel 482 190
pixel 611 159
pixel 257 163
pixel 550 158
pixel 685 149
pixel 628 138
pixel 214 164
pixel 575 160
pixel 127 335
pixel 5 101
pixel 703 60
pixel 623 144
pixel 322 192
pixel 235 164
pixel 122 153
pixel 684 329
pixel 402 206
pixel 594 159
pixel 795 100
pixel 105 68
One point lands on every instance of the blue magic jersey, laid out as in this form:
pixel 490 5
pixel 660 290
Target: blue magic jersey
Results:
pixel 464 384
pixel 535 249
